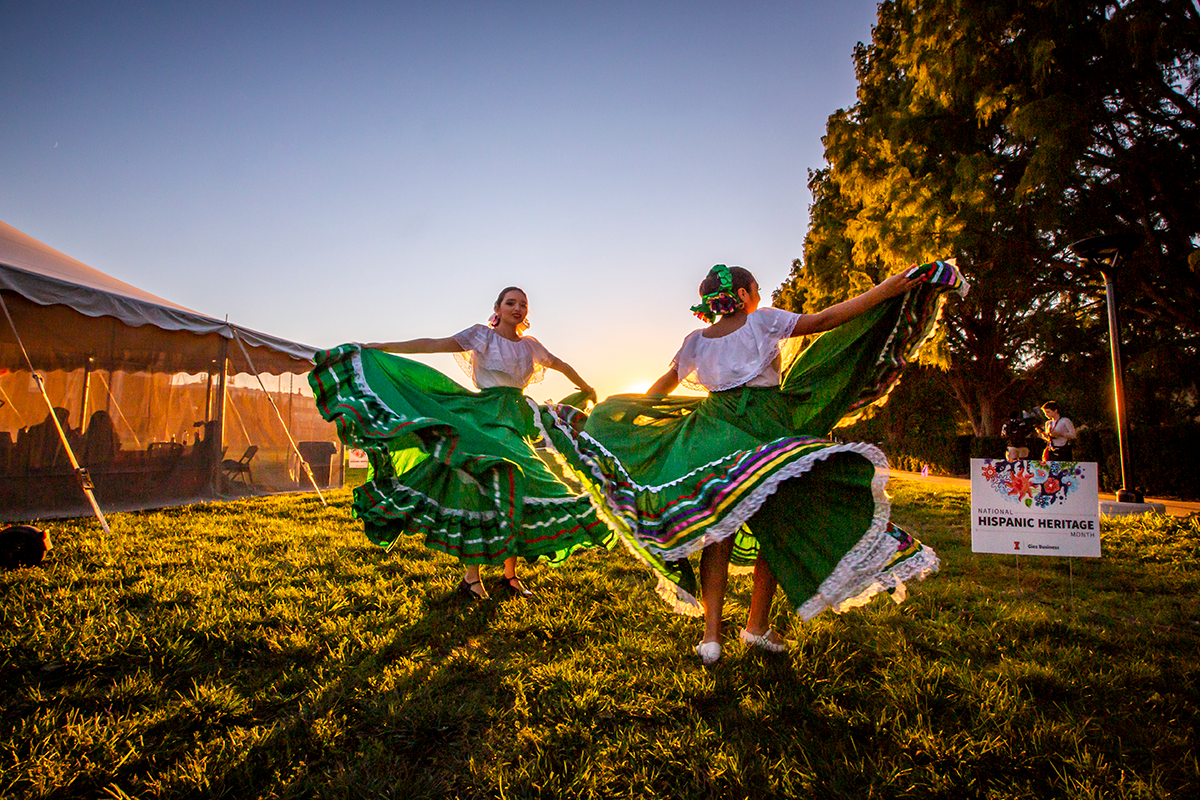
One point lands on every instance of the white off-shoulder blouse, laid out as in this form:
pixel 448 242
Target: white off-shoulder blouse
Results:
pixel 490 360
pixel 747 357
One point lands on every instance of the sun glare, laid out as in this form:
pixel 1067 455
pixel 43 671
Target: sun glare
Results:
pixel 637 387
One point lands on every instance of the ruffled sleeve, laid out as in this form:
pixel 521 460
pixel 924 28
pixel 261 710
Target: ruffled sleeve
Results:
pixel 773 324
pixel 473 338
pixel 541 356
pixel 684 361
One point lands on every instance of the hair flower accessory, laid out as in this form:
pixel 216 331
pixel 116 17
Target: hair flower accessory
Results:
pixel 721 300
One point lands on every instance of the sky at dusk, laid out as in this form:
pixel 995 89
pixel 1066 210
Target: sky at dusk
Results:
pixel 379 171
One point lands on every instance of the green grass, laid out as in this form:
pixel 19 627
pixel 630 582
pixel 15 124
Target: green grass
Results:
pixel 265 649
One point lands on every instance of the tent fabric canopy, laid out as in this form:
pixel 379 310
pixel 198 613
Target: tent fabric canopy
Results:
pixel 43 275
pixel 157 401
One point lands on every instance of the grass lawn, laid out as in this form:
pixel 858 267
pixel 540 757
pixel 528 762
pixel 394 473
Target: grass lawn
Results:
pixel 265 648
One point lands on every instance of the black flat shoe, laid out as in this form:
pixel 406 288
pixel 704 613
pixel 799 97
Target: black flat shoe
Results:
pixel 464 590
pixel 516 587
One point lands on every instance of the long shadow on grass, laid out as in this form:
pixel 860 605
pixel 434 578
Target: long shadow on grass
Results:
pixel 414 709
pixel 424 712
pixel 316 704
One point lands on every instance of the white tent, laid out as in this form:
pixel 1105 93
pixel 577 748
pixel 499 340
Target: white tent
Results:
pixel 158 399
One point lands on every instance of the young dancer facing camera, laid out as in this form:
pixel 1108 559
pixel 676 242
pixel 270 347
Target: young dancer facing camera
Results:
pixel 717 361
pixel 456 466
pixel 742 473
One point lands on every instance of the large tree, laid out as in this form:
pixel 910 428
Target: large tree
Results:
pixel 999 133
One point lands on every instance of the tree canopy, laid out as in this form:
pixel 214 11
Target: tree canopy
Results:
pixel 998 133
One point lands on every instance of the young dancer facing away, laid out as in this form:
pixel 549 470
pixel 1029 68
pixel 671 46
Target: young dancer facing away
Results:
pixel 456 466
pixel 745 472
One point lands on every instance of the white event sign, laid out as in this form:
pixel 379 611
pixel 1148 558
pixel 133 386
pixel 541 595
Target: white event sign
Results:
pixel 357 458
pixel 1035 508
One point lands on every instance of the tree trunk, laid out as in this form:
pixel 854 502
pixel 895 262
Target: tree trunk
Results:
pixel 987 415
pixel 977 398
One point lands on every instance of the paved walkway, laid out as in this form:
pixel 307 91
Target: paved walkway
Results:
pixel 1176 508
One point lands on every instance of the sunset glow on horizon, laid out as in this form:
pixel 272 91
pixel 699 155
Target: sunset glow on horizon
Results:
pixel 378 172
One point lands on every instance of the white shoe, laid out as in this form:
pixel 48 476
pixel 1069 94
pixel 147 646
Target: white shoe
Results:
pixel 709 652
pixel 764 641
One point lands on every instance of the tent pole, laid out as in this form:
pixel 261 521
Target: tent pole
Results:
pixel 81 474
pixel 303 463
pixel 87 385
pixel 208 395
pixel 218 442
pixel 170 392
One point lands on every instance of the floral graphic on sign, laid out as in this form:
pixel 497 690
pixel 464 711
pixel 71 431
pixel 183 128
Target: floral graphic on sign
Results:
pixel 1032 483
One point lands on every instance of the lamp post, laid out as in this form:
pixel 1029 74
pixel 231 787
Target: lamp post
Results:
pixel 1103 252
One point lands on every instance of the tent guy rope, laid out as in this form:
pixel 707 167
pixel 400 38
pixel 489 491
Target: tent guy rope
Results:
pixel 291 441
pixel 112 399
pixel 85 480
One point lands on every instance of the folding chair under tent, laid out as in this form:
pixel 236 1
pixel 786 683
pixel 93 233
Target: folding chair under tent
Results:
pixel 150 396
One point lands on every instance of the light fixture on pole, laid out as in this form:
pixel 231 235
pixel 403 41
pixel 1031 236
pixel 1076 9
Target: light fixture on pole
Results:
pixel 1103 252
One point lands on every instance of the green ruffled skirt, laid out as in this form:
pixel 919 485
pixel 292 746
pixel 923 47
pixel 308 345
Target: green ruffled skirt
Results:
pixel 673 474
pixel 456 467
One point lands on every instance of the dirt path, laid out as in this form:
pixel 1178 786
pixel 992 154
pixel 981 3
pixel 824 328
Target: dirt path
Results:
pixel 1176 508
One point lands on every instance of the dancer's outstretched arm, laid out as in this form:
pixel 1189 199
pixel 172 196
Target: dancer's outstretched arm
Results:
pixel 447 345
pixel 666 384
pixel 842 312
pixel 558 365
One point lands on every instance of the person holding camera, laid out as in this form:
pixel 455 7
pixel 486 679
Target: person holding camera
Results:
pixel 1059 433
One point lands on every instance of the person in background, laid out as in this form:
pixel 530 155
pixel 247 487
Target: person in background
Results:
pixel 45 445
pixel 1059 434
pixel 101 442
pixel 1016 432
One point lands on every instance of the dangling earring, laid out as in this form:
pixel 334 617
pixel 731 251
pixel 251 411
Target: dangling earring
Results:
pixel 524 326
